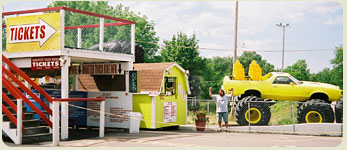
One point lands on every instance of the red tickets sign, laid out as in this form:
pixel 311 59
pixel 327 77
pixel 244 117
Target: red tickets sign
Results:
pixel 45 63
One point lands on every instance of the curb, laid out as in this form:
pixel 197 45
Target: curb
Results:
pixel 324 129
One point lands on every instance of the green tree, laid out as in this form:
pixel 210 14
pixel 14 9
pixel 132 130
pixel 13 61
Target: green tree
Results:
pixel 322 76
pixel 299 70
pixel 337 71
pixel 217 69
pixel 145 35
pixel 3 36
pixel 247 57
pixel 183 50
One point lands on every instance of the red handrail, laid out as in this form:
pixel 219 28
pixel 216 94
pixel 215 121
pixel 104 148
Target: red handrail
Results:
pixel 78 99
pixel 20 84
pixel 27 78
pixel 68 9
pixel 9 101
pixel 14 91
pixel 9 114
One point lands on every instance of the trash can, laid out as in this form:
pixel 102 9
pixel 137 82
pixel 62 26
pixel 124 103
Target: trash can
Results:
pixel 134 121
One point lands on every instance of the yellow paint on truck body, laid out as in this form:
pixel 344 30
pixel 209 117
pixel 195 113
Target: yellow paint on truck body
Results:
pixel 298 91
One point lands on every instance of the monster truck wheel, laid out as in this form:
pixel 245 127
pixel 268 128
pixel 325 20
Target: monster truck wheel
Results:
pixel 258 113
pixel 298 104
pixel 315 111
pixel 339 111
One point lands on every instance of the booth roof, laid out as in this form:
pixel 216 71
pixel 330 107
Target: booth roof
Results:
pixel 151 75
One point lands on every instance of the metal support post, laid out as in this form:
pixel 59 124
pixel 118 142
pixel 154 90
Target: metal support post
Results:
pixel 133 40
pixel 249 117
pixel 56 123
pixel 65 94
pixel 19 122
pixel 75 82
pixel 101 36
pixel 79 38
pixel 64 81
pixel 293 117
pixel 102 119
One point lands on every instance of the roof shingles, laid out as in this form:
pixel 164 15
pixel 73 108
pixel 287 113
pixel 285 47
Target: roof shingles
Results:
pixel 151 75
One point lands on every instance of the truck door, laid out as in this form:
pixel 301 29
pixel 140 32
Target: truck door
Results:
pixel 283 88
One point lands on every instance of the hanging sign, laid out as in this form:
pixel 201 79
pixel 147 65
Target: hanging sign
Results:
pixel 101 69
pixel 133 81
pixel 45 63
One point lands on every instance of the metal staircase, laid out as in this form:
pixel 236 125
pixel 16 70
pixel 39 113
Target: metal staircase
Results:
pixel 18 124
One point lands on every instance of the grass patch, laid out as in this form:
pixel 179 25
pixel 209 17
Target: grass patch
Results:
pixel 281 113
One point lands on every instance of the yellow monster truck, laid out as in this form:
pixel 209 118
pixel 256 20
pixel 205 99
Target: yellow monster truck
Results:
pixel 255 93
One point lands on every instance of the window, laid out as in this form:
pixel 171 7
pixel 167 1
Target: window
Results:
pixel 282 80
pixel 170 86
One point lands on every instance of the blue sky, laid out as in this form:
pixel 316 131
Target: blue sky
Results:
pixel 313 26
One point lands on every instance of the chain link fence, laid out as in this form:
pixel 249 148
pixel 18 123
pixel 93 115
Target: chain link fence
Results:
pixel 117 39
pixel 280 116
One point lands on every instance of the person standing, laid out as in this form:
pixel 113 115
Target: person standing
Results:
pixel 221 106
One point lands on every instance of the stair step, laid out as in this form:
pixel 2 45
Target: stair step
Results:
pixel 36 138
pixel 6 104
pixel 4 90
pixel 36 130
pixel 27 123
pixel 27 116
pixel 24 109
pixel 10 96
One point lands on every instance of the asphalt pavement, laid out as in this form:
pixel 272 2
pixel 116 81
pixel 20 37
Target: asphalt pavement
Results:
pixel 185 138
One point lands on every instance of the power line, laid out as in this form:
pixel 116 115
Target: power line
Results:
pixel 244 50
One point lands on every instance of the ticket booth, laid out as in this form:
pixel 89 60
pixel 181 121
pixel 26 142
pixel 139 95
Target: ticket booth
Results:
pixel 161 94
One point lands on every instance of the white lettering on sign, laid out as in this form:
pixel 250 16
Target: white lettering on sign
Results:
pixel 31 33
pixel 45 63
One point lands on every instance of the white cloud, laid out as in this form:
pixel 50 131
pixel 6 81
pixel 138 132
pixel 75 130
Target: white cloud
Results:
pixel 336 20
pixel 256 44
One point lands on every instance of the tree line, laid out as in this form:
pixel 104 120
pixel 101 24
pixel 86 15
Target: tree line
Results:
pixel 183 48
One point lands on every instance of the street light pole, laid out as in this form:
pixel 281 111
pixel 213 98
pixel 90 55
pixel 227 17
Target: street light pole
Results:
pixel 284 32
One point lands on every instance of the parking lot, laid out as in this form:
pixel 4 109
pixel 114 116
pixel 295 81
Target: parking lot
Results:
pixel 189 138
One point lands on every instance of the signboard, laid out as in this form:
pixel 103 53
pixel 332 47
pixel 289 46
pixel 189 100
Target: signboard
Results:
pixel 45 63
pixel 117 105
pixel 33 33
pixel 169 112
pixel 100 69
pixel 133 81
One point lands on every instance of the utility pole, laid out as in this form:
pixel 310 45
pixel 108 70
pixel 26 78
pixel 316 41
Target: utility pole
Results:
pixel 284 31
pixel 235 40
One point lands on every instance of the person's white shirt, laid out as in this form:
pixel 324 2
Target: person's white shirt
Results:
pixel 221 102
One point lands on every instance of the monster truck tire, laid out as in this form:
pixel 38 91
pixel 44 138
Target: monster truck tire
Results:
pixel 315 111
pixel 299 103
pixel 339 111
pixel 258 114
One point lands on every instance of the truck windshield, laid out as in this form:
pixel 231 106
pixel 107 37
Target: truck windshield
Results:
pixel 296 81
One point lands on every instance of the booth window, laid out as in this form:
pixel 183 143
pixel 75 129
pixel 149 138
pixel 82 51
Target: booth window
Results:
pixel 170 86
